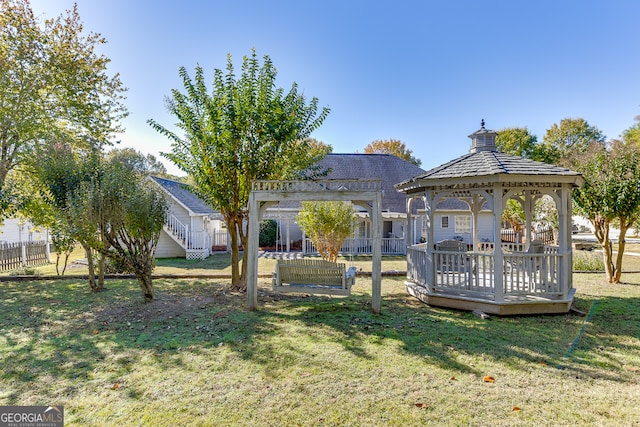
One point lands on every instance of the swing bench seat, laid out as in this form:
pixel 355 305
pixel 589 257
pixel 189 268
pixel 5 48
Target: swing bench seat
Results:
pixel 313 276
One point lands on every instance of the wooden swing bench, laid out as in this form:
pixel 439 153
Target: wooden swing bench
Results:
pixel 313 276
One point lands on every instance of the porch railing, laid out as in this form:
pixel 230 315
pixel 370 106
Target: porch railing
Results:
pixel 473 274
pixel 196 243
pixel 361 246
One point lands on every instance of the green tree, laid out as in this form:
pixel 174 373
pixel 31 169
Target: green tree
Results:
pixel 245 129
pixel 131 218
pixel 54 86
pixel 327 224
pixel 632 135
pixel 513 214
pixel 570 137
pixel 60 173
pixel 609 195
pixel 137 161
pixel 394 147
pixel 518 141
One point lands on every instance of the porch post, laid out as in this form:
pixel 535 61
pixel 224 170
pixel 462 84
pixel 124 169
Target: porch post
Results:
pixel 408 234
pixel 498 279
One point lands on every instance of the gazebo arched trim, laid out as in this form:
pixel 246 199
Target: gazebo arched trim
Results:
pixel 365 193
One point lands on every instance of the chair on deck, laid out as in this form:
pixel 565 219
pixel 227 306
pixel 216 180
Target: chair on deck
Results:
pixel 454 261
pixel 530 266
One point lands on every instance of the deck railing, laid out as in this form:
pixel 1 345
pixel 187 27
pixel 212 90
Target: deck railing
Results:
pixel 474 273
pixel 361 246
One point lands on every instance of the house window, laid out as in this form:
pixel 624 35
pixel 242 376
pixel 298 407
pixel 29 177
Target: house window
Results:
pixel 463 224
pixel 444 222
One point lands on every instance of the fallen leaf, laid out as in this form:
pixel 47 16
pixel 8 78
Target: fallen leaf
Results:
pixel 489 379
pixel 421 405
pixel 306 374
pixel 452 379
pixel 516 409
pixel 115 386
pixel 96 332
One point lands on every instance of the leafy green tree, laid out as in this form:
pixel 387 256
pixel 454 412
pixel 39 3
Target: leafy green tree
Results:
pixel 54 86
pixel 610 194
pixel 570 137
pixel 327 224
pixel 245 129
pixel 137 161
pixel 131 217
pixel 61 173
pixel 393 147
pixel 519 142
pixel 632 135
pixel 514 215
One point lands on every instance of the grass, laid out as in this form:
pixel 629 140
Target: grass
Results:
pixel 195 356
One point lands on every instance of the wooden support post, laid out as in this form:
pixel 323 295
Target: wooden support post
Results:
pixel 376 267
pixel 251 252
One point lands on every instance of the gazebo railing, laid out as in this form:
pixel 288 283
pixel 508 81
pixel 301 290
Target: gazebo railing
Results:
pixel 473 274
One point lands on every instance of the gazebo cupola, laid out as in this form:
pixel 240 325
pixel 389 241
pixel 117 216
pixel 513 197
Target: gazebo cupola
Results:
pixel 483 140
pixel 476 270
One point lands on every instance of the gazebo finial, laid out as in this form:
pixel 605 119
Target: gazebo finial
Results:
pixel 482 123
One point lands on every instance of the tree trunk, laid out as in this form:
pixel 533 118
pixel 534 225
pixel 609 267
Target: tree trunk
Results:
pixel 146 285
pixel 95 287
pixel 601 231
pixel 235 253
pixel 624 227
pixel 242 284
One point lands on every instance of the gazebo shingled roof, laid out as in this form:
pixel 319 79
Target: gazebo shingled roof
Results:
pixel 488 164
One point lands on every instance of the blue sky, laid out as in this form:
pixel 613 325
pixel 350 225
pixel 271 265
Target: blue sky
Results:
pixel 424 72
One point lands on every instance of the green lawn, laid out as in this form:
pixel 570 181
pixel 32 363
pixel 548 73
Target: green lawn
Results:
pixel 195 356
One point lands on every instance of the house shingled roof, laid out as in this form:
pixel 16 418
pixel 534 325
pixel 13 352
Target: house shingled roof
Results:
pixel 183 194
pixel 386 167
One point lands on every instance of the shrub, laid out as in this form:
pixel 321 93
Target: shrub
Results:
pixel 587 261
pixel 24 271
pixel 268 233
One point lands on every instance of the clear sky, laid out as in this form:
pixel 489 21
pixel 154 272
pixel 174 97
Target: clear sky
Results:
pixel 424 72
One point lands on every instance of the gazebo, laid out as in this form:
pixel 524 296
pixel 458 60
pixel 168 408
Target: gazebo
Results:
pixel 525 277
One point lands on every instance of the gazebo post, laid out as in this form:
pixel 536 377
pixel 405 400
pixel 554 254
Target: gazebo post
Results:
pixel 475 213
pixel 564 240
pixel 498 207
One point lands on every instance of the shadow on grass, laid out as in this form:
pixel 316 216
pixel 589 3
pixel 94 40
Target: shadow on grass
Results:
pixel 59 330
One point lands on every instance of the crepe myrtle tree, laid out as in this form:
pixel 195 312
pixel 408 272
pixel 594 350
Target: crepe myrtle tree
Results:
pixel 241 129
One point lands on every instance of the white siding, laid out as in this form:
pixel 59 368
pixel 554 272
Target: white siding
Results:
pixel 168 248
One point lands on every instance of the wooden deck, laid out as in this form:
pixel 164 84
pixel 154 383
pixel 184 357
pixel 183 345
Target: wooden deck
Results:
pixel 526 283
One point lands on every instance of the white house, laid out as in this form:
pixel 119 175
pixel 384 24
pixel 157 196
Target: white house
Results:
pixel 390 170
pixel 192 228
pixel 16 230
